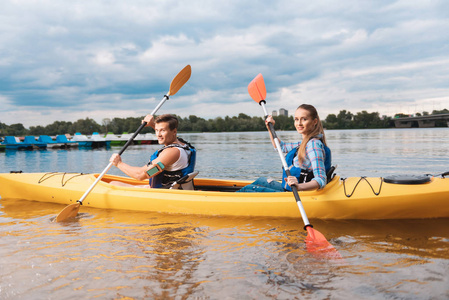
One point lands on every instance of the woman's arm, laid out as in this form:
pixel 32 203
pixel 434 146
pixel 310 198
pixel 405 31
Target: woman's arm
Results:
pixel 315 153
pixel 270 119
pixel 306 186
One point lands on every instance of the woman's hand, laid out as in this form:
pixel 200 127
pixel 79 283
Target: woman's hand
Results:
pixel 269 119
pixel 292 180
pixel 150 120
pixel 115 159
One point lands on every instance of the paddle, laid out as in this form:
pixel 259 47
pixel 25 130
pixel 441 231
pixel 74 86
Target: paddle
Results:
pixel 72 210
pixel 315 241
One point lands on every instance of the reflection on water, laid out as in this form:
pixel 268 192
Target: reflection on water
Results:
pixel 392 151
pixel 114 254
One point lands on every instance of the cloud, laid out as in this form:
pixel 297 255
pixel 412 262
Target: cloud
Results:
pixel 62 60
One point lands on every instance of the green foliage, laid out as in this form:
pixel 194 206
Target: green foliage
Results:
pixel 284 123
pixel 400 115
pixel 440 112
pixel 15 129
pixel 361 120
pixel 440 123
pixel 368 120
pixel 86 126
pixel 55 128
pixel 228 124
pixel 343 120
pixel 3 128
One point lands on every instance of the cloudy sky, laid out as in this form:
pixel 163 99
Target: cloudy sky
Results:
pixel 66 60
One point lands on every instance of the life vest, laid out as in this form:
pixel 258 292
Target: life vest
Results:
pixel 166 178
pixel 301 174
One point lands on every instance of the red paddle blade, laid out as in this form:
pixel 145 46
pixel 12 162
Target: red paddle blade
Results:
pixel 317 244
pixel 256 89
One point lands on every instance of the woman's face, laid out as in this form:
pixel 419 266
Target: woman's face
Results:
pixel 304 123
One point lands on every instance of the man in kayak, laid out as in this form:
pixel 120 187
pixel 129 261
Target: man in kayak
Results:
pixel 175 160
pixel 309 160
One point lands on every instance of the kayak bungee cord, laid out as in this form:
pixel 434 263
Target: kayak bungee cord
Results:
pixel 361 178
pixel 443 175
pixel 403 180
pixel 51 174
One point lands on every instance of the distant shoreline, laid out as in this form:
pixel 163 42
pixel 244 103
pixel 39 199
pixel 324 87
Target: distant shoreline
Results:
pixel 241 123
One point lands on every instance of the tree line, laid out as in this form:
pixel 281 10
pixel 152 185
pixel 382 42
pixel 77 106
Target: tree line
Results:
pixel 343 120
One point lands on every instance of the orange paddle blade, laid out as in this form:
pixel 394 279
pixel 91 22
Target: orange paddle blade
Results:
pixel 317 244
pixel 256 89
pixel 180 79
pixel 68 212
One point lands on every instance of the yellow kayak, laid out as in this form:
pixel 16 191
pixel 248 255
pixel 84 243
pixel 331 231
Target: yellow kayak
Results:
pixel 351 198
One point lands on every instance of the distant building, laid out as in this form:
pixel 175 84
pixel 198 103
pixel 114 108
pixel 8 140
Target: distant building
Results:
pixel 274 113
pixel 283 112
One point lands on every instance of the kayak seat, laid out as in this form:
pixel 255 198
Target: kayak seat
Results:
pixel 330 174
pixel 185 182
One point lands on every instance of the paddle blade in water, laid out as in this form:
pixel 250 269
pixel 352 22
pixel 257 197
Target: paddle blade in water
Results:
pixel 256 89
pixel 68 212
pixel 180 79
pixel 317 244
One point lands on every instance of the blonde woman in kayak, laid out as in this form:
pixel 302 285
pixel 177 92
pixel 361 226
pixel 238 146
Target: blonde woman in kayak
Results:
pixel 173 161
pixel 308 160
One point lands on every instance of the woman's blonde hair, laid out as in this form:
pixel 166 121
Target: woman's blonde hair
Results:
pixel 318 130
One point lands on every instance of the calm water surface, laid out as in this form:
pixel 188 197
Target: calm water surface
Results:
pixel 124 255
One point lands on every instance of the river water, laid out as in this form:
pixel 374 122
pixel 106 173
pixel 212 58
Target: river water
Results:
pixel 110 254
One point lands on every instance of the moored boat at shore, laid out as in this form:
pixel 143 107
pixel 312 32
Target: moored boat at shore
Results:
pixel 62 139
pixel 60 142
pixel 78 140
pixel 120 140
pixel 350 198
pixel 94 141
pixel 35 143
pixel 29 143
pixel 147 138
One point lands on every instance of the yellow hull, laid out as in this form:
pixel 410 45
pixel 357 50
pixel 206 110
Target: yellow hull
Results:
pixel 395 201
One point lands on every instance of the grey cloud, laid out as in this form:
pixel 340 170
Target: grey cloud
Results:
pixel 71 54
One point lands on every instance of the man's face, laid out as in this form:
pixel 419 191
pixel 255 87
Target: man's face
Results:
pixel 164 134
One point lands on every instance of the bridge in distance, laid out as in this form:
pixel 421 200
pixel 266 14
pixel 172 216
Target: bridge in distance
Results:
pixel 422 121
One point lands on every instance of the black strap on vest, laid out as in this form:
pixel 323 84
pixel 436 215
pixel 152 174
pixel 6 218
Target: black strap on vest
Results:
pixel 189 146
pixel 305 176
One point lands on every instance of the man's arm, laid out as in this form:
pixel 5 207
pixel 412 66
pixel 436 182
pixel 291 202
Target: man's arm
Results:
pixel 166 158
pixel 138 173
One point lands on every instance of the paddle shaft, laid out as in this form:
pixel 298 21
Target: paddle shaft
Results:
pixel 166 97
pixel 285 166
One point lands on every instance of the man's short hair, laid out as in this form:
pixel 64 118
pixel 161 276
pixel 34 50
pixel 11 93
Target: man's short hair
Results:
pixel 167 118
